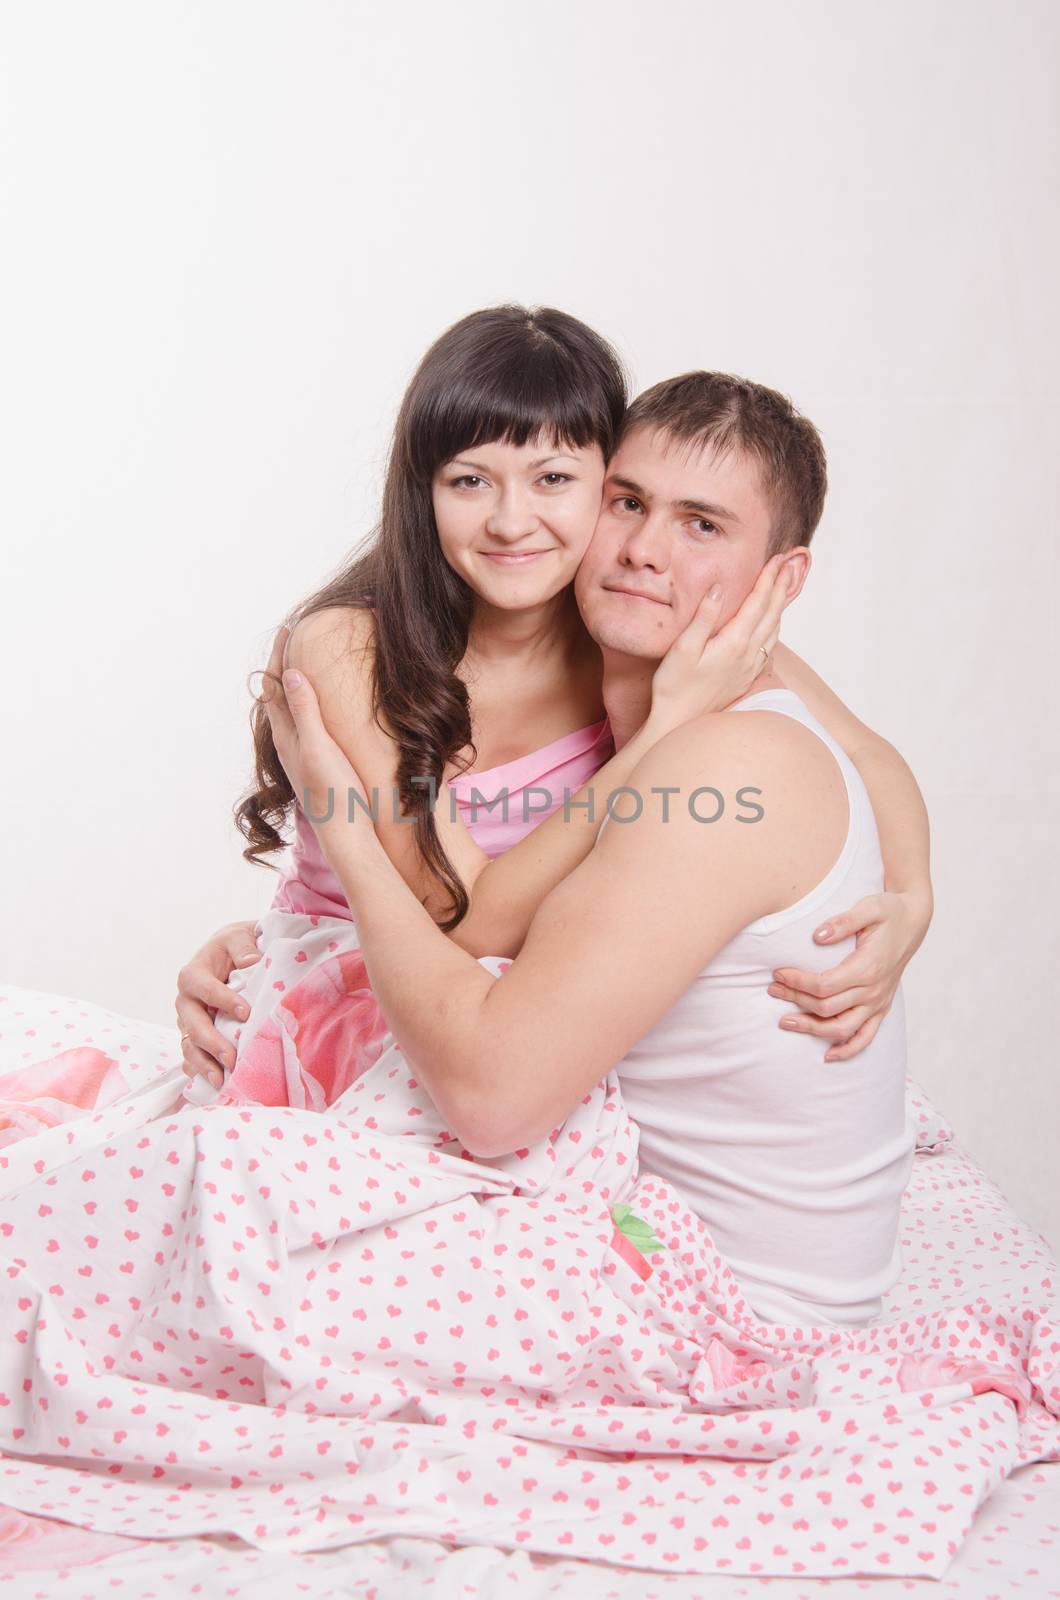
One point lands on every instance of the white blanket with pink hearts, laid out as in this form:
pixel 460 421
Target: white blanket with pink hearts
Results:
pixel 318 1328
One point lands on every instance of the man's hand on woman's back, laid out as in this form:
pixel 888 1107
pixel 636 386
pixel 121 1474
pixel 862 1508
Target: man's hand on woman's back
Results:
pixel 202 991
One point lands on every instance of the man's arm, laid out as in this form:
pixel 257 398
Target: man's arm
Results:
pixel 898 805
pixel 613 945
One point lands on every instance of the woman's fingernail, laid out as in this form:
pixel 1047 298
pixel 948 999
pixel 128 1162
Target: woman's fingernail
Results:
pixel 790 1022
pixel 715 593
pixel 292 679
pixel 245 960
pixel 242 1011
pixel 825 932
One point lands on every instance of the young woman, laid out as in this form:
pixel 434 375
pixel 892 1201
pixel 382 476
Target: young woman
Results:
pixel 451 663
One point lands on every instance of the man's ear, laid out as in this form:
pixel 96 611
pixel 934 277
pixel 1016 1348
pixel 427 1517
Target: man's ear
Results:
pixel 797 568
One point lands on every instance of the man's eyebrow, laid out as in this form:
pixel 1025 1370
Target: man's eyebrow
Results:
pixel 634 488
pixel 702 508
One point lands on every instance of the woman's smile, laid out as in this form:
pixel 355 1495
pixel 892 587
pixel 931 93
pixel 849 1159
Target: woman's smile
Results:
pixel 515 558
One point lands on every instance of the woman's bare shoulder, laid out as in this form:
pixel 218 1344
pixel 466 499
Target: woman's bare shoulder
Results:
pixel 335 638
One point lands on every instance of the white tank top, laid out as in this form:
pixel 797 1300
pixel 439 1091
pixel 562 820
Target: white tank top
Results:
pixel 796 1165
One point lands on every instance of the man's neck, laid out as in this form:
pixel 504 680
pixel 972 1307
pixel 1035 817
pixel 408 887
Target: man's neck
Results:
pixel 627 691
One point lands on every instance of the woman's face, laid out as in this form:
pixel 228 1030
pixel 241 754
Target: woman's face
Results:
pixel 515 520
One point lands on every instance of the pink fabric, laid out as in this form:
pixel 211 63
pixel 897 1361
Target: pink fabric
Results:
pixel 35 1544
pixel 323 1032
pixel 53 1091
pixel 309 885
pixel 564 765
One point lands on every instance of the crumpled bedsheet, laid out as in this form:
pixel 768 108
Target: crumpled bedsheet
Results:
pixel 319 1328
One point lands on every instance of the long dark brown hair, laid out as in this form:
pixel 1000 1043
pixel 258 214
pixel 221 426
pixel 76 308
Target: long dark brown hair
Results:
pixel 505 374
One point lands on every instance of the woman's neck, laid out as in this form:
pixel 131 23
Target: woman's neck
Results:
pixel 552 632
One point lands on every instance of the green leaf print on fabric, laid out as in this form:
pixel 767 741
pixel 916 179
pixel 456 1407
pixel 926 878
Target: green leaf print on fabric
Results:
pixel 636 1230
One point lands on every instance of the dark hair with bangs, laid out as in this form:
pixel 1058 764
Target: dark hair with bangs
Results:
pixel 505 374
pixel 715 408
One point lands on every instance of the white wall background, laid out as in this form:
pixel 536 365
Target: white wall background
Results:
pixel 231 230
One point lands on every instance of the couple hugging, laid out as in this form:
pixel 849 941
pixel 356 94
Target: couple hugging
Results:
pixel 588 816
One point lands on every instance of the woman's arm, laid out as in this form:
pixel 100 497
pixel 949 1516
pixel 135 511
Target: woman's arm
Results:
pixel 847 1003
pixel 901 816
pixel 334 648
pixel 701 672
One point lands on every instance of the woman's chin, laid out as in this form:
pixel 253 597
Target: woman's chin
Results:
pixel 521 591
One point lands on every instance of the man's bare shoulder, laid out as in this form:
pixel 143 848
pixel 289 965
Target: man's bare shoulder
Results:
pixel 733 768
pixel 721 742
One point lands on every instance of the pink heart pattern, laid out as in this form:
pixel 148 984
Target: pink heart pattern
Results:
pixel 318 1327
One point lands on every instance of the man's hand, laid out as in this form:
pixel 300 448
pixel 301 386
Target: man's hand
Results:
pixel 202 991
pixel 848 1003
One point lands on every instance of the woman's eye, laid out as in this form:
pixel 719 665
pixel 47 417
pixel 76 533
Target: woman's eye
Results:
pixel 552 478
pixel 468 478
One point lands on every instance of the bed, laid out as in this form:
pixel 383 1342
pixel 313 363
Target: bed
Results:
pixel 961 1240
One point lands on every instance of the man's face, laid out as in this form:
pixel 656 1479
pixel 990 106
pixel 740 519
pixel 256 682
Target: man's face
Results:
pixel 675 520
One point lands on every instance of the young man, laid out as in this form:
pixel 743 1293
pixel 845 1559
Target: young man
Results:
pixel 742 832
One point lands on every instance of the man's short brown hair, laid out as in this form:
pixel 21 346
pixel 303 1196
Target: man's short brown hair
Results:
pixel 715 409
